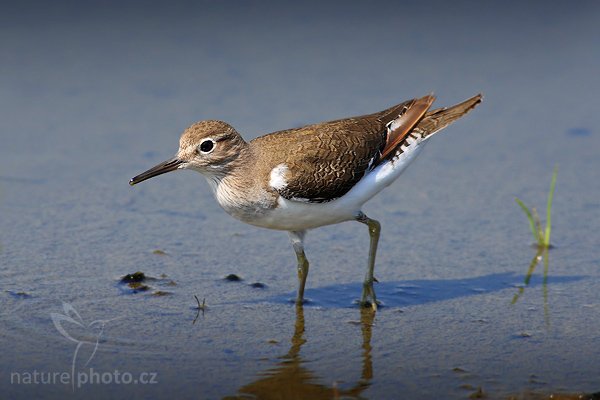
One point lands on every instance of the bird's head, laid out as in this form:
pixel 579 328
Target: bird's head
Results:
pixel 209 147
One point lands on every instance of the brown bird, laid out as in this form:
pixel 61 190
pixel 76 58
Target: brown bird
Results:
pixel 304 178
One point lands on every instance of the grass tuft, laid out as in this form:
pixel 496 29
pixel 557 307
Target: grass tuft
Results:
pixel 540 235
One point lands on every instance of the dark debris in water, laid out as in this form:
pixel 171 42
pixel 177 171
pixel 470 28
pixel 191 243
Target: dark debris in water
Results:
pixel 138 287
pixel 159 293
pixel 233 278
pixel 138 282
pixel 159 252
pixel 258 285
pixel 135 277
pixel 19 295
pixel 523 335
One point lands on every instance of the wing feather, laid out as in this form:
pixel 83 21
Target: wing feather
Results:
pixel 322 162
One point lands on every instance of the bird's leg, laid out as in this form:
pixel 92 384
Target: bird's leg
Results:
pixel 368 290
pixel 297 239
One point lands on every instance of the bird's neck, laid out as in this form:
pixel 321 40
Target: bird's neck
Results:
pixel 239 190
pixel 234 174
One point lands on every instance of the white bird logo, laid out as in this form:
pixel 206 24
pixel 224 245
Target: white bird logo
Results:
pixel 71 315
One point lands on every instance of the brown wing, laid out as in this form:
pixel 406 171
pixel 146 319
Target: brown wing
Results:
pixel 324 161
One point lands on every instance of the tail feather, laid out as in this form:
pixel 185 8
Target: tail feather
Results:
pixel 438 119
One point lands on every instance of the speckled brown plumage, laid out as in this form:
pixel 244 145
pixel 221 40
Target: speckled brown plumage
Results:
pixel 326 160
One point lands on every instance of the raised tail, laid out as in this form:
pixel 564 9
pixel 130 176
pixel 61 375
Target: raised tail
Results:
pixel 436 120
pixel 416 123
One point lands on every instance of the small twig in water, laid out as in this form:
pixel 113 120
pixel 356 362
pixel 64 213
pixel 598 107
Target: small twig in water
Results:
pixel 202 307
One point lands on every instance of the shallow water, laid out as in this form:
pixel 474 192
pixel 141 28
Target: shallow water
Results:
pixel 93 96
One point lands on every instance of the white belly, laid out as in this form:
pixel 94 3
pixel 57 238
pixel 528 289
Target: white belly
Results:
pixel 291 215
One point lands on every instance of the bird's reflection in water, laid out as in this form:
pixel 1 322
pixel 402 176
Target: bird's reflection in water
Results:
pixel 291 379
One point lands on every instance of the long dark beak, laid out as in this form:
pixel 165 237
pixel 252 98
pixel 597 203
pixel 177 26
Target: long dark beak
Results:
pixel 163 167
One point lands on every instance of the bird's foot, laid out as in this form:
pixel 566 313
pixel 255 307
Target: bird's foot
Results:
pixel 368 298
pixel 369 304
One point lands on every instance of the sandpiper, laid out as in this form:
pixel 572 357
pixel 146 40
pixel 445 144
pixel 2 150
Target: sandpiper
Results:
pixel 303 178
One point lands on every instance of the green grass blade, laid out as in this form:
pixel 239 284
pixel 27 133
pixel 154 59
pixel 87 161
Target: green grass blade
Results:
pixel 530 218
pixel 538 226
pixel 549 207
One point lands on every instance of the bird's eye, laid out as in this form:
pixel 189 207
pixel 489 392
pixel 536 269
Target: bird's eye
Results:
pixel 207 146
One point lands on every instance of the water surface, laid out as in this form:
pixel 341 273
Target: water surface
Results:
pixel 94 95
